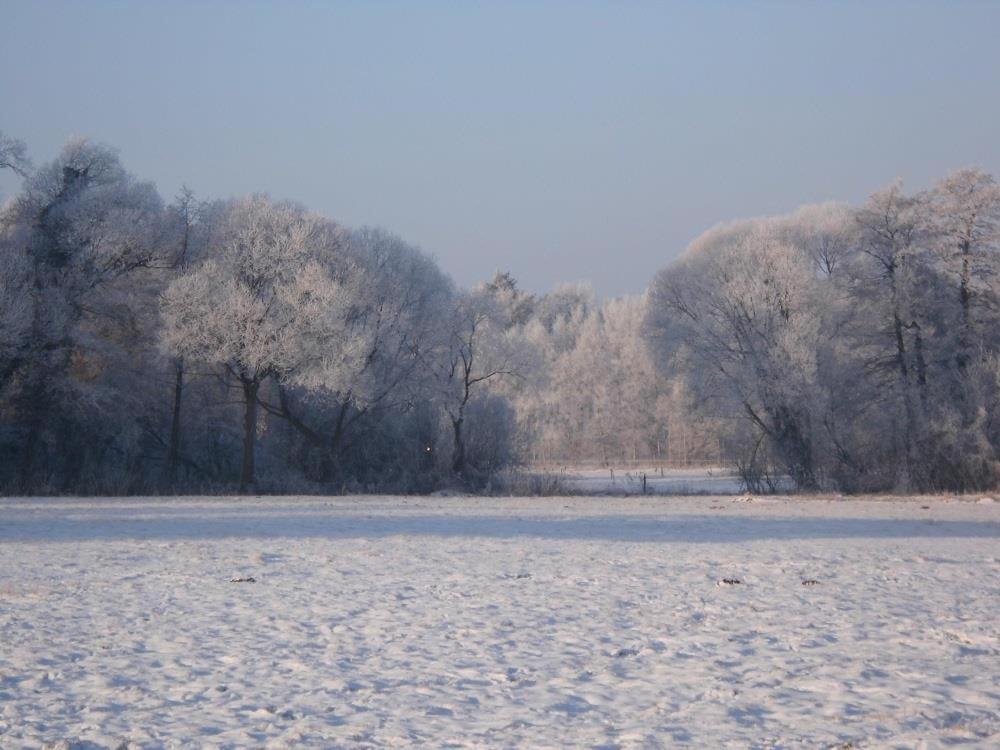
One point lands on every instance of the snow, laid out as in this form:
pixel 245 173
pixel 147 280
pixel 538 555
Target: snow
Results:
pixel 674 481
pixel 496 622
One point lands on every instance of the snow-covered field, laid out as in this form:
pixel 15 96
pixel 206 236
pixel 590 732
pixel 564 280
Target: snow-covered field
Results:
pixel 491 622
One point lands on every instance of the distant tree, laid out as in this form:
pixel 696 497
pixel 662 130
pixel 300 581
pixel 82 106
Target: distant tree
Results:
pixel 14 155
pixel 518 306
pixel 827 233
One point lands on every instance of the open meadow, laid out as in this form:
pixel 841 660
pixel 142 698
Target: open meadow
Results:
pixel 461 622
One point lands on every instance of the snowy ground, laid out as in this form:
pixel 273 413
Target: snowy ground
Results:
pixel 460 622
pixel 628 481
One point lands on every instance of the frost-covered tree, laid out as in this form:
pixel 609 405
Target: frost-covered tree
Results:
pixel 604 391
pixel 517 305
pixel 14 155
pixel 859 342
pixel 15 302
pixel 184 219
pixel 965 219
pixel 267 303
pixel 400 315
pixel 855 348
pixel 85 225
pixel 737 313
pixel 479 349
pixel 887 279
pixel 826 232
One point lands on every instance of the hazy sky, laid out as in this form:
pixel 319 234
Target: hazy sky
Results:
pixel 561 141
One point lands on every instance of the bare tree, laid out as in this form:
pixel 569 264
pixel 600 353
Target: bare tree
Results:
pixel 478 350
pixel 185 214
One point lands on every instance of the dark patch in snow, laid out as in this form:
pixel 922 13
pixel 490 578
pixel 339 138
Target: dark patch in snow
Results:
pixel 248 579
pixel 287 714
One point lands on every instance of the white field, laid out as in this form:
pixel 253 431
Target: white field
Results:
pixel 491 622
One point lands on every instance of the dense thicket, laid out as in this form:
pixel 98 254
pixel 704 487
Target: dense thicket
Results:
pixel 250 344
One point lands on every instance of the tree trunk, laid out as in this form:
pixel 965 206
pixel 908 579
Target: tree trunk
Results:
pixel 458 459
pixel 920 364
pixel 910 433
pixel 247 478
pixel 35 405
pixel 174 446
pixel 965 298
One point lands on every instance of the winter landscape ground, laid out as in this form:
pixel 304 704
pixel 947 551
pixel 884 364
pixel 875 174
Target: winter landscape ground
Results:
pixel 719 621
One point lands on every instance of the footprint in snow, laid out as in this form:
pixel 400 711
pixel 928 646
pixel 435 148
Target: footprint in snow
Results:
pixel 287 714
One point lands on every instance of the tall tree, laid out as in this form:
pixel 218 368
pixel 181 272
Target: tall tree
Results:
pixel 893 260
pixel 965 216
pixel 183 215
pixel 264 305
pixel 479 349
pixel 86 224
pixel 737 311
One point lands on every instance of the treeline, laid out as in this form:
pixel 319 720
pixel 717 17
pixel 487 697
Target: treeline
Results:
pixel 207 345
pixel 248 344
pixel 856 349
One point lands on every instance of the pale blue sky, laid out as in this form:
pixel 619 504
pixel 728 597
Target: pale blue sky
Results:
pixel 561 141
